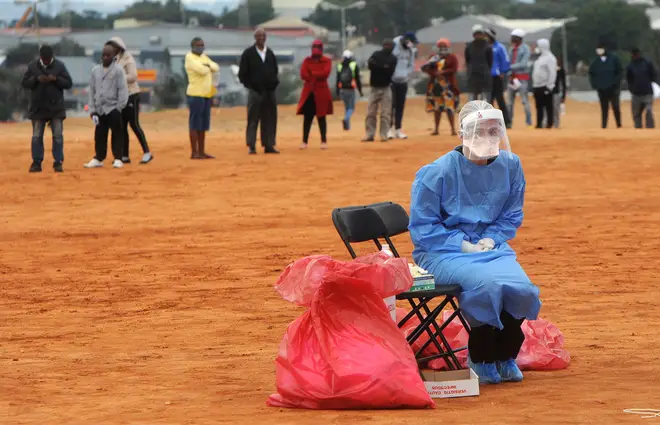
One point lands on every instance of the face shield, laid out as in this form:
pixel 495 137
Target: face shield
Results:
pixel 483 133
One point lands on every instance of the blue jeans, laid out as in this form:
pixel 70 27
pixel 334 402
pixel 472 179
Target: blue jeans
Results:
pixel 38 129
pixel 348 97
pixel 200 113
pixel 523 91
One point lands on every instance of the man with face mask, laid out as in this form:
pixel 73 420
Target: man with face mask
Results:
pixel 479 60
pixel 108 96
pixel 381 65
pixel 47 78
pixel 405 52
pixel 544 77
pixel 640 75
pixel 200 69
pixel 519 54
pixel 605 75
pixel 465 208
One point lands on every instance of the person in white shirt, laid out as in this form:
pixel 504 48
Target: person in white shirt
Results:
pixel 544 77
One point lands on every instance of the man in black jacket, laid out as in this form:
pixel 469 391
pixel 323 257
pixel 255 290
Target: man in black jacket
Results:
pixel 381 65
pixel 47 78
pixel 641 75
pixel 605 75
pixel 479 60
pixel 259 74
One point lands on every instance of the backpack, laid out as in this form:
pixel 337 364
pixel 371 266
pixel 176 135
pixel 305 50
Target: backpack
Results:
pixel 346 76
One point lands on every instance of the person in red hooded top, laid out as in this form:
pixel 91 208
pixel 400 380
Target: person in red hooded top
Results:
pixel 316 98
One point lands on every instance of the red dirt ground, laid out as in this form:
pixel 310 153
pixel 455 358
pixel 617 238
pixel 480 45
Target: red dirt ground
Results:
pixel 144 295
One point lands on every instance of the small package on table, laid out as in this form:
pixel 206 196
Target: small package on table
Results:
pixel 422 280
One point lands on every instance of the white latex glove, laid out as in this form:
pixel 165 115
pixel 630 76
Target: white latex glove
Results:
pixel 487 243
pixel 468 247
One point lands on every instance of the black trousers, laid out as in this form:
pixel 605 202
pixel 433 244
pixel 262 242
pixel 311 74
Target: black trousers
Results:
pixel 262 108
pixel 609 97
pixel 544 106
pixel 488 344
pixel 130 116
pixel 110 122
pixel 309 112
pixel 399 93
pixel 497 94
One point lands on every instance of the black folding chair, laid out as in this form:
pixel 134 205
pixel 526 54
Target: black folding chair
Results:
pixel 381 221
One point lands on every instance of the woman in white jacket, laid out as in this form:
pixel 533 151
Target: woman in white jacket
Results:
pixel 544 76
pixel 130 114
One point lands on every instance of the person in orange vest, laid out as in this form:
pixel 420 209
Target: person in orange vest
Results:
pixel 348 79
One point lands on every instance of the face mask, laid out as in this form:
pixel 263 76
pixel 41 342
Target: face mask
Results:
pixel 483 145
pixel 317 51
pixel 409 44
pixel 600 52
pixel 443 51
pixel 197 50
pixel 537 50
pixel 45 64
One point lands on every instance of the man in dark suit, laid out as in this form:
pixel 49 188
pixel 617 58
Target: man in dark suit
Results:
pixel 47 78
pixel 259 74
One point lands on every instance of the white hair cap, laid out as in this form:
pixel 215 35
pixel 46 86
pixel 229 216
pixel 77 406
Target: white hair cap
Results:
pixel 518 33
pixel 477 28
pixel 347 54
pixel 470 107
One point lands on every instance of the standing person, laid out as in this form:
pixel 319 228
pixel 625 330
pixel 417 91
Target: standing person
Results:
pixel 108 96
pixel 442 94
pixel 348 79
pixel 381 66
pixel 465 208
pixel 559 93
pixel 130 114
pixel 405 52
pixel 605 74
pixel 519 81
pixel 479 60
pixel 640 76
pixel 47 78
pixel 200 69
pixel 315 99
pixel 499 71
pixel 259 73
pixel 544 76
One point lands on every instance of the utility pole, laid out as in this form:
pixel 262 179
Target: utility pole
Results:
pixel 35 12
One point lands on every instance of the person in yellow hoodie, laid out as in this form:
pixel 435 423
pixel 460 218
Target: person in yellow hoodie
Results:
pixel 130 114
pixel 200 69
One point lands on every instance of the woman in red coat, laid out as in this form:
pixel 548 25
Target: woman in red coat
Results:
pixel 316 99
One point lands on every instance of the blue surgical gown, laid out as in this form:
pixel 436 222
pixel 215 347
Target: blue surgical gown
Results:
pixel 454 200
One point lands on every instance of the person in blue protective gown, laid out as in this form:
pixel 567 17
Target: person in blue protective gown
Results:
pixel 465 207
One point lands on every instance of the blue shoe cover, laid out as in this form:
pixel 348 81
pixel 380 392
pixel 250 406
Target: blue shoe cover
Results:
pixel 509 371
pixel 487 372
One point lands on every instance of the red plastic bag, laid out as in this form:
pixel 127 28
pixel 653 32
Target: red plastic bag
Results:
pixel 543 348
pixel 345 352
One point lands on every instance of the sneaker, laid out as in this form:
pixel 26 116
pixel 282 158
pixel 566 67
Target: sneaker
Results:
pixel 509 371
pixel 146 158
pixel 252 151
pixel 400 134
pixel 117 163
pixel 57 167
pixel 303 145
pixel 35 167
pixel 345 124
pixel 324 145
pixel 126 160
pixel 94 163
pixel 368 139
pixel 391 134
pixel 271 151
pixel 487 372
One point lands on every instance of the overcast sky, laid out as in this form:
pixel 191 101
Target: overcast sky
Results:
pixel 12 11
